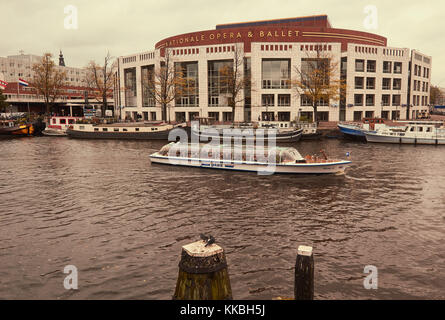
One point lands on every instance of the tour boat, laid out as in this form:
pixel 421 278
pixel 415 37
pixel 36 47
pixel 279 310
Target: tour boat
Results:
pixel 58 125
pixel 410 132
pixel 357 130
pixel 135 130
pixel 248 158
pixel 248 132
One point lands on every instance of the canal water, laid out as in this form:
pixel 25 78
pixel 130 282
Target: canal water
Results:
pixel 102 207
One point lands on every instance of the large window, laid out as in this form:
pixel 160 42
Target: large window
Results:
pixel 396 100
pixel 359 83
pixel 267 100
pixel 147 74
pixel 189 91
pixel 386 66
pixel 323 101
pixel 397 84
pixel 306 101
pixel 358 99
pixel 370 83
pixel 218 79
pixel 386 84
pixel 359 65
pixel 370 100
pixel 130 87
pixel 284 100
pixel 283 116
pixel 276 73
pixel 385 100
pixel 370 65
pixel 397 67
pixel 315 71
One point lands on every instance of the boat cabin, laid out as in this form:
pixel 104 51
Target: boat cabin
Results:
pixel 280 155
pixel 62 122
pixel 6 123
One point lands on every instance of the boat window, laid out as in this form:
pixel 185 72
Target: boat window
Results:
pixel 81 127
pixel 136 129
pixel 124 129
pixel 104 129
pixel 116 129
pixel 62 121
pixel 428 129
pixel 420 129
pixel 70 121
pixel 412 129
pixel 54 120
pixel 96 129
pixel 154 129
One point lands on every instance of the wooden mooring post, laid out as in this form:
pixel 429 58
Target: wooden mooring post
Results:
pixel 203 273
pixel 304 274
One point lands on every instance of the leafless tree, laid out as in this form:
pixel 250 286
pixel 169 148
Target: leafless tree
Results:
pixel 234 79
pixel 48 80
pixel 165 84
pixel 99 80
pixel 319 79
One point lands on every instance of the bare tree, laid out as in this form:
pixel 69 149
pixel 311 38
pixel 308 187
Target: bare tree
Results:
pixel 234 79
pixel 165 84
pixel 318 79
pixel 48 80
pixel 99 80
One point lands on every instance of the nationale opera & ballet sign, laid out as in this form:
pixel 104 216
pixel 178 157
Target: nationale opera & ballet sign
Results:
pixel 207 37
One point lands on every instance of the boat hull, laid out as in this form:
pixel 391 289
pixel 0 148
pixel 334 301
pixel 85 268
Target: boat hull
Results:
pixel 351 131
pixel 372 137
pixel 159 135
pixel 23 130
pixel 303 168
pixel 54 133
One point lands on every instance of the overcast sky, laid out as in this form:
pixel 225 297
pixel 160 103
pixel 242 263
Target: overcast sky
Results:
pixel 130 26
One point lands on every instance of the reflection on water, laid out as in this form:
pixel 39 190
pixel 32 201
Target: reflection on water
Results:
pixel 101 206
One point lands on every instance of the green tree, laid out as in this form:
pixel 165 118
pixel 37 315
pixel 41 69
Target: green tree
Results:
pixel 435 95
pixel 3 103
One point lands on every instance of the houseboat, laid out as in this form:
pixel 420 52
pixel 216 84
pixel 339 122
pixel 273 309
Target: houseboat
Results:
pixel 279 132
pixel 357 130
pixel 255 159
pixel 132 130
pixel 58 125
pixel 410 132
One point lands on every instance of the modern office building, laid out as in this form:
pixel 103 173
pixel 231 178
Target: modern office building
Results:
pixel 381 81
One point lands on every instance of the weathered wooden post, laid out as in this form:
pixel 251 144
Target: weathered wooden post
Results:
pixel 203 273
pixel 304 274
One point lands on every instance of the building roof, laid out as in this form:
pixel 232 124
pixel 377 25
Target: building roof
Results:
pixel 312 21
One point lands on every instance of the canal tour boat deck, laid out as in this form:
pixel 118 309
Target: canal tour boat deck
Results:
pixel 259 159
pixel 265 131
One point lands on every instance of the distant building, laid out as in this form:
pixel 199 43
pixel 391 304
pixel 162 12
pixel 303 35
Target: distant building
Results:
pixel 382 81
pixel 21 98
